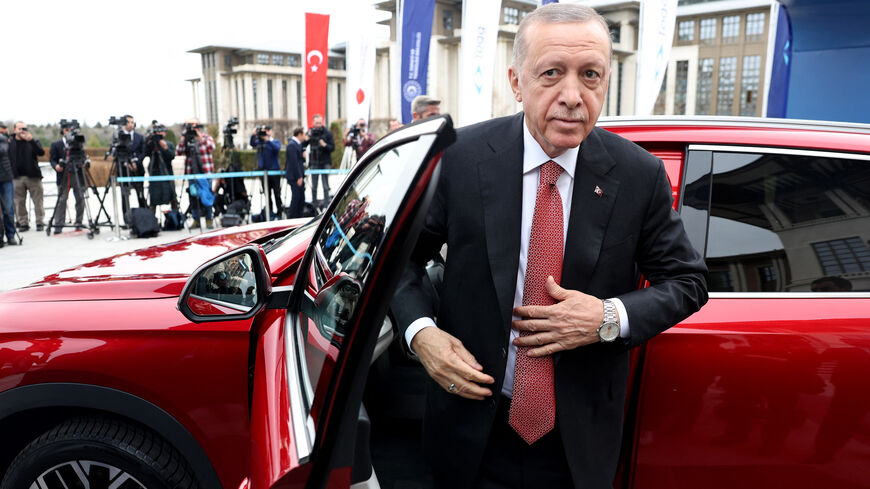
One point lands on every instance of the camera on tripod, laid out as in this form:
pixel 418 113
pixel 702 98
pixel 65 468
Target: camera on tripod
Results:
pixel 229 130
pixel 76 142
pixel 189 132
pixel 153 134
pixel 261 131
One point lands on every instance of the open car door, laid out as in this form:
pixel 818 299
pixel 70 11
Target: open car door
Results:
pixel 312 358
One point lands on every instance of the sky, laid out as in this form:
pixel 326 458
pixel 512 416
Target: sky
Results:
pixel 94 59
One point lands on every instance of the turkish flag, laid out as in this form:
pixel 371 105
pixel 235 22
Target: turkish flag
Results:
pixel 316 63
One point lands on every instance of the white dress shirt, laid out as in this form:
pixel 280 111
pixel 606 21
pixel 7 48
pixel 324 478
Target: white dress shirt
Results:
pixel 533 158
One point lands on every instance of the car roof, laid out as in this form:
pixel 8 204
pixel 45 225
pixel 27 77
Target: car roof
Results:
pixel 743 131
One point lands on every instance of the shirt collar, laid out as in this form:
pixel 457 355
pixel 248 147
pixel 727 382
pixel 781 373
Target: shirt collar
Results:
pixel 534 156
pixel 296 139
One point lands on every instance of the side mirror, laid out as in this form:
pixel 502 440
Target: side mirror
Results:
pixel 231 287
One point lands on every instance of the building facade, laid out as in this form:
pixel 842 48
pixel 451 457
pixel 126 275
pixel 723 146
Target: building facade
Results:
pixel 718 66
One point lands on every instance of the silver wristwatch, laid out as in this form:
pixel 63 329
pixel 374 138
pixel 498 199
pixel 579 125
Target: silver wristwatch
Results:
pixel 609 329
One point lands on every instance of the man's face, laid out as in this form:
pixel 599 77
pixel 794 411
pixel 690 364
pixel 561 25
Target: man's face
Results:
pixel 268 133
pixel 4 130
pixel 65 131
pixel 130 124
pixel 361 124
pixel 562 82
pixel 431 110
pixel 318 122
pixel 19 128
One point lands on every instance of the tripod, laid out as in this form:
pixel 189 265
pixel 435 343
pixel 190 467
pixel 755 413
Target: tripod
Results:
pixel 74 171
pixel 191 151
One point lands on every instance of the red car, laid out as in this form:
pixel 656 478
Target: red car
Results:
pixel 243 358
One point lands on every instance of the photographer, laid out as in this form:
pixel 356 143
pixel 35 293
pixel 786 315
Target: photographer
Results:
pixel 268 160
pixel 200 160
pixel 23 153
pixel 359 139
pixel 322 144
pixel 66 172
pixel 161 153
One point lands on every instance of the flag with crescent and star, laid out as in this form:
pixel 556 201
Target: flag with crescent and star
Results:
pixel 316 64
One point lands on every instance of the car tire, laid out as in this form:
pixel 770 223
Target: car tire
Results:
pixel 98 452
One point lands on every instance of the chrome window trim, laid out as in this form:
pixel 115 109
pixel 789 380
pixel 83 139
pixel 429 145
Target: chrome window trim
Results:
pixel 790 295
pixel 777 150
pixel 230 305
pixel 733 121
pixel 303 425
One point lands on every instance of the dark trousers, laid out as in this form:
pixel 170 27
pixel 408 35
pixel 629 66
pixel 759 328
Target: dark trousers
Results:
pixel 62 195
pixel 509 462
pixel 275 194
pixel 324 178
pixel 297 200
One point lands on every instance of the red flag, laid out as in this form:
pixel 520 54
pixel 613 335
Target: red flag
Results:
pixel 316 63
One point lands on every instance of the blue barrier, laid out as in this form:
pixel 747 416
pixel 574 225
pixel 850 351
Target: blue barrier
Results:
pixel 258 174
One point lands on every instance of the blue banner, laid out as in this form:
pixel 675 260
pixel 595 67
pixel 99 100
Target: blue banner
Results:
pixel 777 92
pixel 416 30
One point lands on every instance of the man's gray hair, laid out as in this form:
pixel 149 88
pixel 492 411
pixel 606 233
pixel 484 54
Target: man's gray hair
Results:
pixel 422 102
pixel 554 13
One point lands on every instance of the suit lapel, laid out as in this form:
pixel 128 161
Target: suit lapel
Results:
pixel 590 212
pixel 501 187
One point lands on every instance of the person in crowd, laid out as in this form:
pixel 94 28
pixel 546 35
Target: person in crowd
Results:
pixel 58 156
pixel 268 160
pixel 539 305
pixel 294 171
pixel 135 168
pixel 424 106
pixel 7 190
pixel 322 144
pixel 394 124
pixel 24 152
pixel 161 153
pixel 359 138
pixel 201 160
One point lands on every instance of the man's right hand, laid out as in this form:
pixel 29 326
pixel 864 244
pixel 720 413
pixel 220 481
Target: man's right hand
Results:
pixel 299 182
pixel 448 362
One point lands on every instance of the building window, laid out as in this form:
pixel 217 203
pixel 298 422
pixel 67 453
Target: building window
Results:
pixel 720 281
pixel 754 27
pixel 725 92
pixel 278 59
pixel 767 278
pixel 682 87
pixel 447 22
pixel 730 29
pixel 299 102
pixel 686 31
pixel 284 98
pixel 615 32
pixel 619 88
pixel 228 61
pixel 749 85
pixel 336 64
pixel 293 60
pixel 262 59
pixel 838 256
pixel 249 59
pixel 708 31
pixel 659 106
pixel 705 86
pixel 254 89
pixel 511 16
pixel 269 95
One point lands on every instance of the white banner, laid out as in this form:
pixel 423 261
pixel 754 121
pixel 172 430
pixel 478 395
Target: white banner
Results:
pixel 657 19
pixel 479 35
pixel 360 65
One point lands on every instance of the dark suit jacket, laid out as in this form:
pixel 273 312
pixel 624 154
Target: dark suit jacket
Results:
pixel 294 168
pixel 137 150
pixel 631 227
pixel 56 152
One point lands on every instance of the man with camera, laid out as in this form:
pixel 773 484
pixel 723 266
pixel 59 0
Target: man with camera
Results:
pixel 358 138
pixel 66 172
pixel 294 171
pixel 7 189
pixel 23 153
pixel 268 149
pixel 161 152
pixel 137 154
pixel 198 159
pixel 322 144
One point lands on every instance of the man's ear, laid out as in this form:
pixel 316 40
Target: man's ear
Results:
pixel 514 80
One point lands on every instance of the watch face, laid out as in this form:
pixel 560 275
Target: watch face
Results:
pixel 609 331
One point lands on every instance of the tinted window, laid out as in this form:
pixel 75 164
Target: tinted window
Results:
pixel 346 254
pixel 782 222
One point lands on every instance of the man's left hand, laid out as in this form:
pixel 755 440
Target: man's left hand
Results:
pixel 322 143
pixel 571 322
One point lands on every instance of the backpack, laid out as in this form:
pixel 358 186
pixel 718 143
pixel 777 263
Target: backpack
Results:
pixel 143 223
pixel 173 220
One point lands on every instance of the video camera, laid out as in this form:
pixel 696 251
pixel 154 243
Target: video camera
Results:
pixel 76 142
pixel 152 134
pixel 229 130
pixel 189 132
pixel 261 130
pixel 120 147
pixel 118 121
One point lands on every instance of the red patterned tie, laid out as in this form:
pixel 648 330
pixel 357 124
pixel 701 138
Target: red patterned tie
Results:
pixel 533 408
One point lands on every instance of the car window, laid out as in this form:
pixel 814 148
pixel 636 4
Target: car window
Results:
pixel 782 222
pixel 346 254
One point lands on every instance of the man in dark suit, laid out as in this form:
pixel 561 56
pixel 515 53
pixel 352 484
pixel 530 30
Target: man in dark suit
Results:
pixel 134 168
pixel 294 171
pixel 547 221
pixel 65 174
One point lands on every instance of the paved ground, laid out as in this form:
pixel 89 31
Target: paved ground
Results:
pixel 41 255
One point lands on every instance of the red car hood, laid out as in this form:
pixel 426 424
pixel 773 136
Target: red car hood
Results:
pixel 153 272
